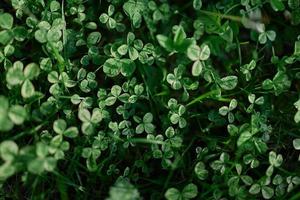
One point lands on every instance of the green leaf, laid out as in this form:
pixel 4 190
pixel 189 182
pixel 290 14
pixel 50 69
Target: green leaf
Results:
pixel 5 36
pixel 197 68
pixel 71 132
pixel 96 116
pixel 165 42
pixel 123 49
pixel 200 171
pixel 205 52
pixel 41 35
pixel 262 38
pixel 112 67
pixel 173 194
pixel 8 150
pixel 36 166
pixel 93 38
pixel 197 4
pixel 54 35
pixel 27 89
pixel 271 35
pixel 228 82
pixel 190 191
pixel 5 123
pixel 244 137
pixel 6 20
pixel 179 36
pixel 17 114
pixel 31 71
pixel 41 150
pixel 277 5
pixel 296 144
pixel 148 117
pixel 267 192
pixel 127 67
pixel 15 76
pixel 59 126
pixel 133 53
pixel 84 115
pixel 103 18
pixel 54 6
pixel 194 52
pixel 297 48
pixel 6 170
pixel 254 189
pixel 134 9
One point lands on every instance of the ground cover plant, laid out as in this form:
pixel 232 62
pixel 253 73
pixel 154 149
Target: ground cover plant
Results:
pixel 144 99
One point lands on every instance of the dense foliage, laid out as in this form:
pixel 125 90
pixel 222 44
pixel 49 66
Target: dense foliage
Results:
pixel 149 99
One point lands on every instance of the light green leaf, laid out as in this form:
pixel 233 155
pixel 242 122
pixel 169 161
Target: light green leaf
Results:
pixel 71 132
pixel 254 189
pixel 27 89
pixel 267 192
pixel 8 150
pixel 17 114
pixel 179 36
pixel 194 52
pixel 296 144
pixel 200 171
pixel 244 137
pixel 112 67
pixel 277 5
pixel 228 82
pixel 59 126
pixel 190 191
pixel 197 4
pixel 173 194
pixel 31 71
pixel 127 67
pixel 6 20
pixel 93 38
pixel 5 36
pixel 205 52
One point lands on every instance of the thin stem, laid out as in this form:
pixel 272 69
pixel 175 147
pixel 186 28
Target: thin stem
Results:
pixel 146 141
pixel 203 96
pixel 223 16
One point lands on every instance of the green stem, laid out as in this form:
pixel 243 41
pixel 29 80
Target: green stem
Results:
pixel 37 128
pixel 223 16
pixel 58 57
pixel 203 96
pixel 145 141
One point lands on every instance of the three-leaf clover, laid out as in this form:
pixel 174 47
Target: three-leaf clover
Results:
pixel 17 75
pixel 254 101
pixel 132 47
pixel 247 68
pixel 42 162
pixel 89 121
pixel 176 113
pixel 190 191
pixel 114 66
pixel 108 18
pixel 200 171
pixel 267 35
pixel 227 110
pixel 263 187
pixel 198 55
pixel 10 115
pixel 145 124
pixel 60 127
pixel 279 84
pixel 134 9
